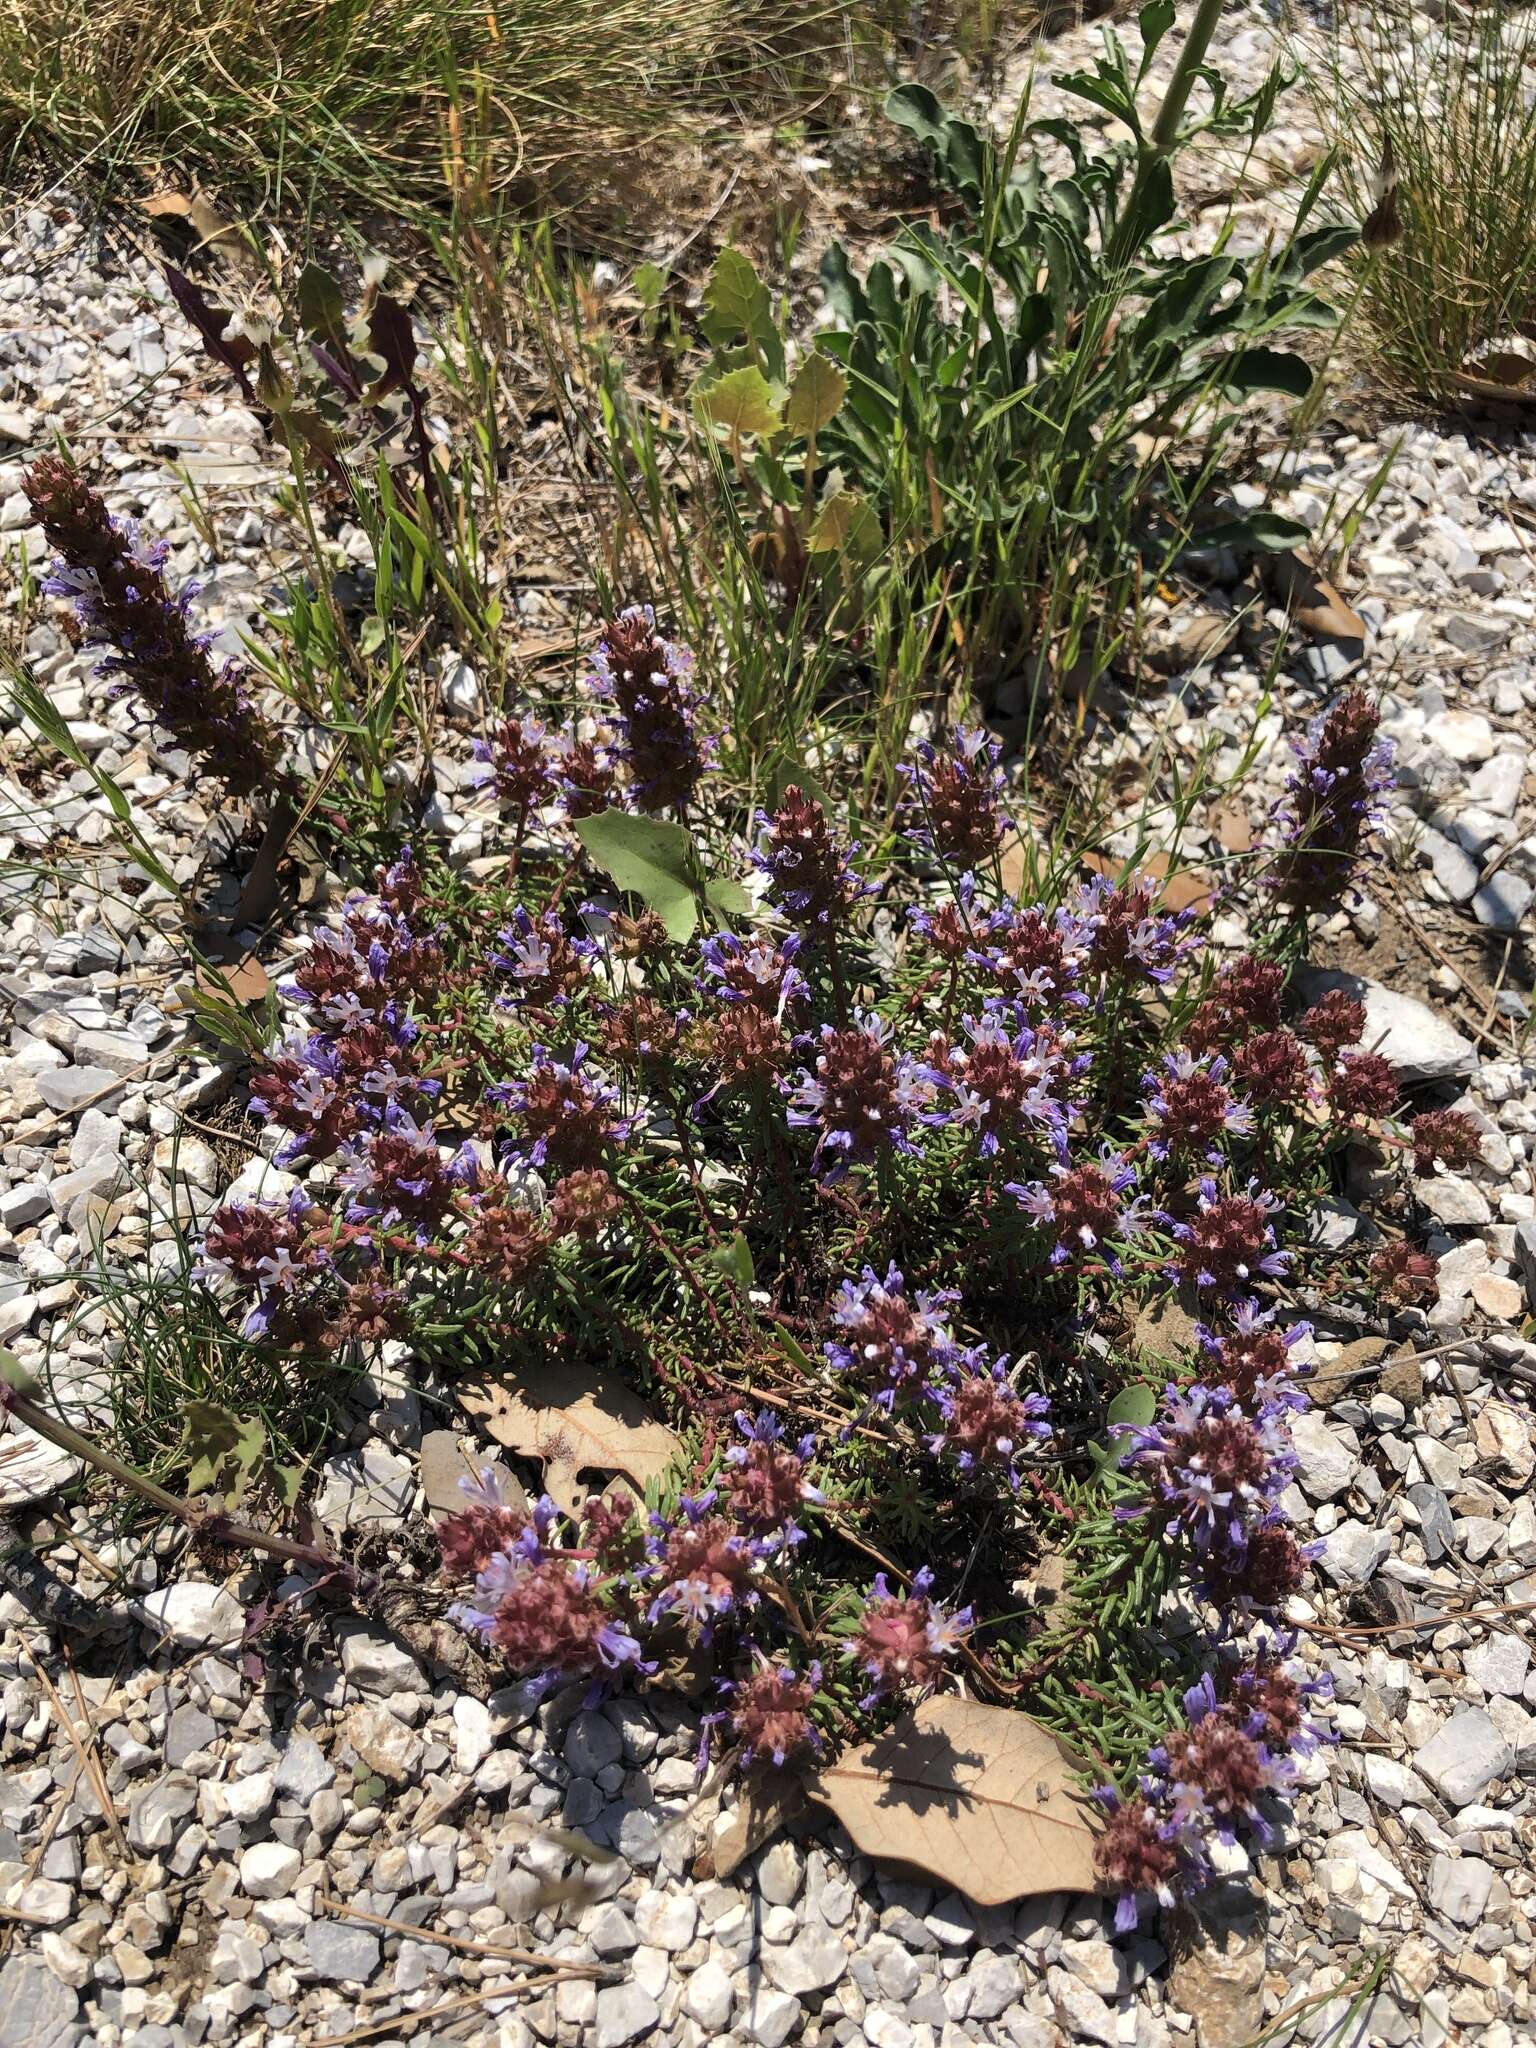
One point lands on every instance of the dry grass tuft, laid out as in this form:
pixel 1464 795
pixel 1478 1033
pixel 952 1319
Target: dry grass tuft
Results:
pixel 1457 104
pixel 298 104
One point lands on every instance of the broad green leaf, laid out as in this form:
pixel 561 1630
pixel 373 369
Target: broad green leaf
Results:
pixel 735 292
pixel 650 282
pixel 741 402
pixel 1154 21
pixel 1310 251
pixel 223 1449
pixel 816 396
pixel 1265 369
pixel 1133 1407
pixel 725 894
pixel 965 156
pixel 845 295
pixel 786 772
pixel 322 308
pixel 846 525
pixel 1182 303
pixel 285 1481
pixel 920 112
pixel 652 858
pixel 733 1258
pixel 739 304
pixel 1265 532
pixel 1136 1405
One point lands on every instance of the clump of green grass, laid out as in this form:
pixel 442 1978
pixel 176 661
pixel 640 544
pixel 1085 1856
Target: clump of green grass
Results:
pixel 300 105
pixel 300 100
pixel 1453 110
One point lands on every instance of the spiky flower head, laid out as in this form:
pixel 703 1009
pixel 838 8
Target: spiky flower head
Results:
pixel 1334 798
pixel 649 682
pixel 115 580
pixel 811 877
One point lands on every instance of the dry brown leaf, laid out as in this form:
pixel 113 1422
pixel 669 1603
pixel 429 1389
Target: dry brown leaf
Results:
pixel 1503 375
pixel 1185 889
pixel 1313 602
pixel 445 1459
pixel 245 979
pixel 765 1804
pixel 573 1419
pixel 1014 866
pixel 1234 831
pixel 1189 889
pixel 200 214
pixel 976 1797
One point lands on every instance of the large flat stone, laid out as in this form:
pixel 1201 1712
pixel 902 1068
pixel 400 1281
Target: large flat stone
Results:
pixel 1421 1045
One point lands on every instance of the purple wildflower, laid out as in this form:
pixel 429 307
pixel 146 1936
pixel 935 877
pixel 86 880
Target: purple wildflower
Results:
pixel 648 682
pixel 1229 1242
pixel 889 1342
pixel 114 580
pixel 986 1424
pixel 811 877
pixel 1334 797
pixel 1083 1206
pixel 1191 1106
pixel 861 1099
pixel 955 797
pixel 902 1640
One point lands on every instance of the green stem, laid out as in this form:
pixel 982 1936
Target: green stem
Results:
pixel 1165 130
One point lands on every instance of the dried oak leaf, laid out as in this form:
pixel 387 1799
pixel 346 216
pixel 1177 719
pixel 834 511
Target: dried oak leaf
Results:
pixel 445 1459
pixel 1313 602
pixel 765 1804
pixel 573 1419
pixel 979 1798
pixel 242 979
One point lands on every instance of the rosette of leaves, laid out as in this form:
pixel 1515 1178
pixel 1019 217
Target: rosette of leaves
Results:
pixel 1025 409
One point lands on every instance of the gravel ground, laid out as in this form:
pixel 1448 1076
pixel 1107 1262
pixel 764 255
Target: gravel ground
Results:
pixel 192 1851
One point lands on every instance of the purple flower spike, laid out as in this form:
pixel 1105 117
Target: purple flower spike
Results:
pixel 116 583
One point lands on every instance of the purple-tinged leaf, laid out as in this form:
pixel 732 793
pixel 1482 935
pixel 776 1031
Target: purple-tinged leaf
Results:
pixel 233 351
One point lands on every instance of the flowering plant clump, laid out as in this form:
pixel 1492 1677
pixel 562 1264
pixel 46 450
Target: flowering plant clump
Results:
pixel 870 1226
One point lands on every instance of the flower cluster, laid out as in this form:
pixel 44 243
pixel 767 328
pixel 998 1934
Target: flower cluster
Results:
pixel 549 1613
pixel 1010 1081
pixel 1211 1471
pixel 1191 1108
pixel 1228 1243
pixel 955 798
pixel 902 1640
pixel 115 580
pixel 1334 797
pixel 1209 1780
pixel 648 681
pixel 897 1348
pixel 811 878
pixel 860 1098
pixel 1083 1208
pixel 1443 1137
pixel 517 766
pixel 1127 937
